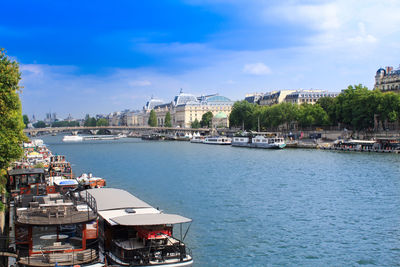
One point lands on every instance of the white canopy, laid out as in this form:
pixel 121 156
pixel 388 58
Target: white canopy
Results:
pixel 150 219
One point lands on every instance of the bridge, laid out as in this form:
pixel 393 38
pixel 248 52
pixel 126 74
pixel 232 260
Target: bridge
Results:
pixel 114 129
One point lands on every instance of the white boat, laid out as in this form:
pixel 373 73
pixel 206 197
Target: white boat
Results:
pixel 217 140
pixel 72 138
pixel 197 139
pixel 261 141
pixel 241 141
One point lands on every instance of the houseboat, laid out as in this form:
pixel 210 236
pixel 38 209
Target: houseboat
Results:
pixel 241 141
pixel 60 167
pixel 133 233
pixel 261 141
pixel 26 181
pixel 217 140
pixel 54 230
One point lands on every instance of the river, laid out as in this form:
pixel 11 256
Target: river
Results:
pixel 292 207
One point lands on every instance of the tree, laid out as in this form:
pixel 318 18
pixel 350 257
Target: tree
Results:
pixel 242 115
pixel 26 120
pixel 11 122
pixel 195 124
pixel 102 122
pixel 152 119
pixel 206 119
pixel 40 124
pixel 167 121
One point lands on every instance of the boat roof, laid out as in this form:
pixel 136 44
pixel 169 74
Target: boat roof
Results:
pixel 26 171
pixel 112 199
pixel 65 182
pixel 150 219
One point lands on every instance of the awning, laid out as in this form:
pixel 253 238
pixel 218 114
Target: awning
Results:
pixel 150 219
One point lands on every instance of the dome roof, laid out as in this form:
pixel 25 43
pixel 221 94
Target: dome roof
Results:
pixel 380 71
pixel 183 99
pixel 221 115
pixel 152 103
pixel 218 98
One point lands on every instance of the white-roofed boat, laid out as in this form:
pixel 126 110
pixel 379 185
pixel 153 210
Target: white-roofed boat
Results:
pixel 217 140
pixel 72 138
pixel 261 141
pixel 133 233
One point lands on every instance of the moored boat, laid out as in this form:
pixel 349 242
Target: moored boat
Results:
pixel 217 140
pixel 72 138
pixel 261 141
pixel 54 229
pixel 133 233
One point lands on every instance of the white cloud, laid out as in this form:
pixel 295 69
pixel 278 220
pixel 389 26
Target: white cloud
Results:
pixel 256 69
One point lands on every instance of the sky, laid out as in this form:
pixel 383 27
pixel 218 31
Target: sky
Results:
pixel 97 57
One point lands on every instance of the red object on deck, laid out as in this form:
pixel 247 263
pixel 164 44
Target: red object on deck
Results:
pixel 157 234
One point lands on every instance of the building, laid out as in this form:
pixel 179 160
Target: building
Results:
pixel 186 108
pixel 388 79
pixel 254 98
pixel 274 97
pixel 308 96
pixel 294 96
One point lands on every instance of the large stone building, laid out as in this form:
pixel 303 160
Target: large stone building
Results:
pixel 294 96
pixel 186 108
pixel 388 79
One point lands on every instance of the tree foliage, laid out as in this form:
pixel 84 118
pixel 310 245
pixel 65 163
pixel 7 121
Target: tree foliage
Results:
pixel 26 120
pixel 195 124
pixel 65 124
pixel 152 119
pixel 102 122
pixel 11 122
pixel 356 107
pixel 206 119
pixel 167 121
pixel 90 121
pixel 40 124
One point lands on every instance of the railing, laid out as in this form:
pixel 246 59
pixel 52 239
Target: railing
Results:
pixel 88 255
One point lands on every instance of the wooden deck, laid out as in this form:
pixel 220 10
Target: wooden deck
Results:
pixel 62 259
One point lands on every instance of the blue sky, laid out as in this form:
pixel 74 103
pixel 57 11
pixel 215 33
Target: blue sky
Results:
pixel 96 57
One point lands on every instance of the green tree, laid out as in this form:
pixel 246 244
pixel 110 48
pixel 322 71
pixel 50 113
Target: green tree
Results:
pixel 40 124
pixel 152 119
pixel 102 122
pixel 195 124
pixel 206 119
pixel 11 122
pixel 167 121
pixel 26 120
pixel 242 115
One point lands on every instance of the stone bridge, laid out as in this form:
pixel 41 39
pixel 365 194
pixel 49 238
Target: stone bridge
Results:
pixel 114 130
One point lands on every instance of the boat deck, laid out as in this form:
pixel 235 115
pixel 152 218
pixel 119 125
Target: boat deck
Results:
pixel 62 259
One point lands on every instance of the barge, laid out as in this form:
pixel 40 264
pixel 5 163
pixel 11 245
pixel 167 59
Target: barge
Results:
pixel 133 233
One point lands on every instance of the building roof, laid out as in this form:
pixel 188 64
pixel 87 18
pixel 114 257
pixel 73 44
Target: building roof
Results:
pixel 218 98
pixel 150 219
pixel 183 99
pixel 112 198
pixel 220 115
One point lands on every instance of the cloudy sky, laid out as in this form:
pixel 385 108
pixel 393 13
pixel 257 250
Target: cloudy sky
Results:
pixel 96 57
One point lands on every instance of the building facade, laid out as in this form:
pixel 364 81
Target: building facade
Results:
pixel 308 96
pixel 294 96
pixel 388 80
pixel 186 108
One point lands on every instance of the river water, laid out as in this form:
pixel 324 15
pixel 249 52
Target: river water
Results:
pixel 292 207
